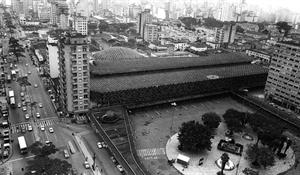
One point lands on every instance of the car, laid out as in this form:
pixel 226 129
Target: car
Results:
pixel 26 64
pixel 120 168
pixel 29 72
pixel 22 94
pixel 42 128
pixel 35 85
pixel 19 105
pixel 113 159
pixel 48 143
pixel 29 128
pixel 27 116
pixel 23 129
pixel 38 115
pixel 104 145
pixel 23 99
pixel 40 105
pixel 23 103
pixel 66 154
pixel 25 75
pixel 99 145
pixel 24 108
pixel 86 165
pixel 51 130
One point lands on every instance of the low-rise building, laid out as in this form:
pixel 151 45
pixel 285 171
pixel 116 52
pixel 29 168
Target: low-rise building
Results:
pixel 262 55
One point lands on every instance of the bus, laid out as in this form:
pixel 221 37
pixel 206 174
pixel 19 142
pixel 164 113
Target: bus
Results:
pixel 12 102
pixel 11 94
pixel 22 145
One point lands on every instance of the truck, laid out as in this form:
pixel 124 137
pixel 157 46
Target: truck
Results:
pixel 22 144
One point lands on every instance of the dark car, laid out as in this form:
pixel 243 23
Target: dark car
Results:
pixel 23 129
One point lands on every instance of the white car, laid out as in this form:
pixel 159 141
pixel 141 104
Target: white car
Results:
pixel 29 127
pixel 40 105
pixel 51 130
pixel 24 108
pixel 26 64
pixel 42 128
pixel 99 145
pixel 38 115
pixel 86 165
pixel 27 116
pixel 35 85
pixel 19 105
pixel 120 168
pixel 47 142
pixel 29 72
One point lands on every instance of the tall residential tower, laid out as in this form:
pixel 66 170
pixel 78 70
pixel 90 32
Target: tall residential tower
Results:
pixel 74 74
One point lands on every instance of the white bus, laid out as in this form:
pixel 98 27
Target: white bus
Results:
pixel 22 144
pixel 11 94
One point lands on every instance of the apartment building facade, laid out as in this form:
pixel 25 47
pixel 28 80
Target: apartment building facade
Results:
pixel 283 82
pixel 74 88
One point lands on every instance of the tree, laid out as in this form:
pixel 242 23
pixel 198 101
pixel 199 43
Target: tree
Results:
pixel 224 159
pixel 16 48
pixel 211 120
pixel 42 150
pixel 42 164
pixel 239 29
pixel 194 137
pixel 283 27
pixel 260 155
pixel 46 165
pixel 235 120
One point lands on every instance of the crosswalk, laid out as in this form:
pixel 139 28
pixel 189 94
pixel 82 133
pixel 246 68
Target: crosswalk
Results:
pixel 151 153
pixel 16 128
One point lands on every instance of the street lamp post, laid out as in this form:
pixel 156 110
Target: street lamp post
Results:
pixel 172 122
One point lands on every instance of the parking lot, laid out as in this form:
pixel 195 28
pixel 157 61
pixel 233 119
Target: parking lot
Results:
pixel 153 126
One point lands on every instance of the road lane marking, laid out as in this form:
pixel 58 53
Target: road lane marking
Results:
pixel 18 159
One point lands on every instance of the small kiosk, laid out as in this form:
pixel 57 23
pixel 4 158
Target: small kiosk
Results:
pixel 183 160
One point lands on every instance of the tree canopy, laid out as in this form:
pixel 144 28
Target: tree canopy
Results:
pixel 47 165
pixel 260 155
pixel 40 149
pixel 16 48
pixel 211 120
pixel 283 27
pixel 42 164
pixel 194 137
pixel 235 120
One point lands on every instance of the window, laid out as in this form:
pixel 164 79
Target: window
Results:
pixel 84 67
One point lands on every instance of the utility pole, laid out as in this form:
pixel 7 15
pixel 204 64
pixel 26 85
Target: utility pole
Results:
pixel 94 161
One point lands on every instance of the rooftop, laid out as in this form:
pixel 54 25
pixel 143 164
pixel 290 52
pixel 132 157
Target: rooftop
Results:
pixel 122 65
pixel 118 83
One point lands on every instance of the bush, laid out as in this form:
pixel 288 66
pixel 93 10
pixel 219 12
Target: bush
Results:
pixel 211 120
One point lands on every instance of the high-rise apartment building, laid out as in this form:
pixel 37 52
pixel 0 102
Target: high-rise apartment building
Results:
pixel 151 32
pixel 134 10
pixel 59 14
pixel 283 82
pixel 74 90
pixel 143 18
pixel 80 24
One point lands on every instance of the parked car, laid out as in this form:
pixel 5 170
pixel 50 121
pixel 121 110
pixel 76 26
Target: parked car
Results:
pixel 42 128
pixel 86 164
pixel 120 168
pixel 40 105
pixel 38 115
pixel 29 127
pixel 99 145
pixel 27 116
pixel 35 85
pixel 51 130
pixel 19 105
pixel 113 159
pixel 24 108
pixel 66 154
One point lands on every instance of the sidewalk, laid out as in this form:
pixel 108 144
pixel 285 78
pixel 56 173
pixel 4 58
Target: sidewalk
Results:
pixel 86 153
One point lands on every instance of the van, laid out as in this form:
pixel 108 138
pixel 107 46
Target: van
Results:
pixel 66 154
